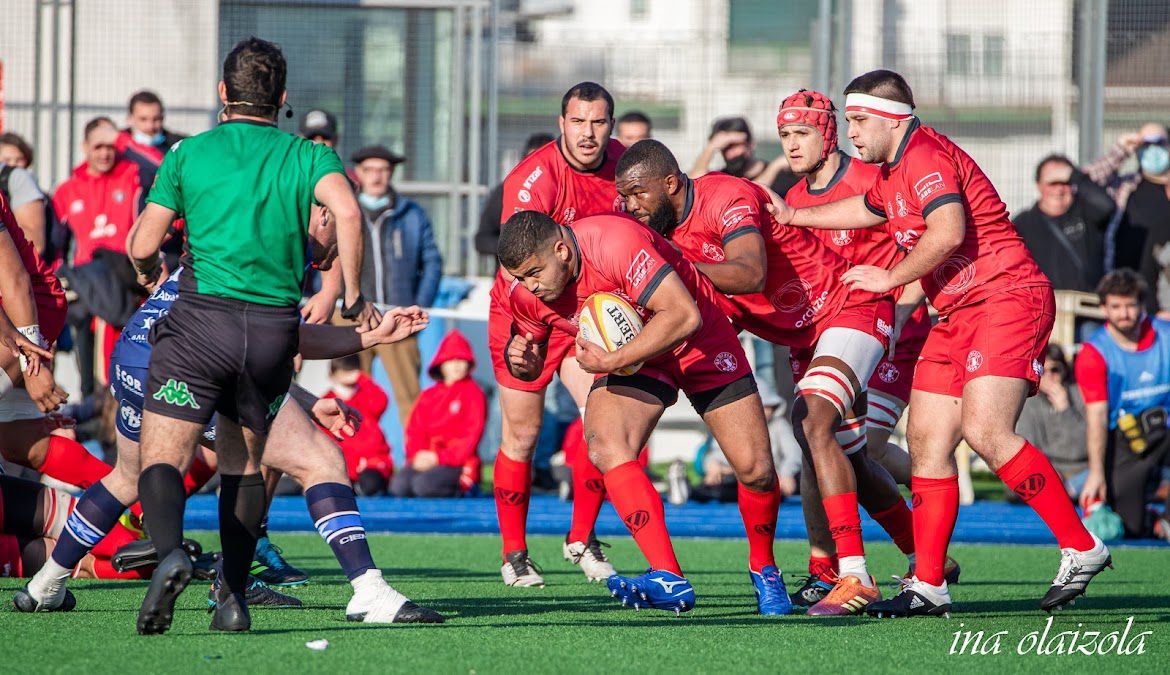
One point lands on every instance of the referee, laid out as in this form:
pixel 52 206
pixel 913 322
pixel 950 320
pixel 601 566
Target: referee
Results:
pixel 245 189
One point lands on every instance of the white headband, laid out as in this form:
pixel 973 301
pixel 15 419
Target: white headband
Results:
pixel 875 105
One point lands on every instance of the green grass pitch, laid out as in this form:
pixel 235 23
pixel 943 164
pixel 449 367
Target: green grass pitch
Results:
pixel 574 627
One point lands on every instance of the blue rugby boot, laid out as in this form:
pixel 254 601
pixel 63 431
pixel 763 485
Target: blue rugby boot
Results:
pixel 771 594
pixel 656 589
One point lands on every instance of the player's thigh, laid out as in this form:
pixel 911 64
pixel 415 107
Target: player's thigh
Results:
pixel 298 448
pixel 991 407
pixel 618 422
pixel 741 430
pixel 272 336
pixel 238 449
pixel 521 415
pixel 933 430
pixel 168 440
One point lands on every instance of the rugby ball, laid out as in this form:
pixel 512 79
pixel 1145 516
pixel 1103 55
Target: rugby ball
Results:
pixel 610 322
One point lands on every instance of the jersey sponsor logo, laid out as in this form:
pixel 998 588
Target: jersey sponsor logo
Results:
pixel 102 227
pixel 928 185
pixel 524 196
pixel 713 252
pixel 163 295
pixel 955 275
pixel 888 372
pixel 884 328
pixel 906 238
pixel 532 178
pixel 637 520
pixel 792 296
pixel 569 216
pixel 77 206
pixel 1144 392
pixel 176 393
pixel 736 214
pixel 726 362
pixel 640 268
pixel 129 381
pixel 901 202
pixel 130 417
pixel 137 337
pixel 148 322
pixel 842 237
pixel 974 360
pixel 357 536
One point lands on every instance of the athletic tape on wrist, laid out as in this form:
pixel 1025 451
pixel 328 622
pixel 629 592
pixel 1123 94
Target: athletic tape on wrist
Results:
pixel 33 333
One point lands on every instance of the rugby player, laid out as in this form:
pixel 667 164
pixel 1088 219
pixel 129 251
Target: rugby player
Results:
pixel 298 449
pixel 686 343
pixel 567 179
pixel 783 284
pixel 981 361
pixel 227 345
pixel 807 125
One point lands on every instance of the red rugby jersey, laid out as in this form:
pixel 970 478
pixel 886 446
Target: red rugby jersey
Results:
pixel 545 181
pixel 929 171
pixel 45 285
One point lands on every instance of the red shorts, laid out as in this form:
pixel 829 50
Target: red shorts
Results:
pixel 1005 336
pixel 500 323
pixel 893 377
pixel 873 317
pixel 703 367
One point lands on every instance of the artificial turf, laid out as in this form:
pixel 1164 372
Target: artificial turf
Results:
pixel 571 626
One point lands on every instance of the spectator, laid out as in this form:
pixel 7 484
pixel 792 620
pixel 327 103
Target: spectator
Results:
pixel 1054 421
pixel 1143 230
pixel 632 127
pixel 19 186
pixel 98 204
pixel 1124 374
pixel 445 427
pixel 15 151
pixel 487 237
pixel 367 454
pixel 320 126
pixel 1065 229
pixel 145 132
pixel 731 137
pixel 402 265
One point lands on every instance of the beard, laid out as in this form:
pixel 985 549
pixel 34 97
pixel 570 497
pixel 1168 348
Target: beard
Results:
pixel 663 219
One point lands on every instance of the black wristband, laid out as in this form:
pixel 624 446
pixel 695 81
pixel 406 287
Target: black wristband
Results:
pixel 148 267
pixel 353 310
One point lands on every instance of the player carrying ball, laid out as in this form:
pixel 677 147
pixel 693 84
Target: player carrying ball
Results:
pixel 981 361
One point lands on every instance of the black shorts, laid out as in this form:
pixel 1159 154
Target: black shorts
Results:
pixel 217 355
pixel 703 401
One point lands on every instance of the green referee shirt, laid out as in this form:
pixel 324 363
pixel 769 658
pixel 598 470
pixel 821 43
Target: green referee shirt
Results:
pixel 245 189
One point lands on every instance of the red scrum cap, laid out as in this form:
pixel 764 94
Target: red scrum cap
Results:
pixel 814 109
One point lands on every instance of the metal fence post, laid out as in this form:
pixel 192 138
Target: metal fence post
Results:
pixel 1092 17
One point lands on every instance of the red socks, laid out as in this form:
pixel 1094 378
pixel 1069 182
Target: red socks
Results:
pixel 640 508
pixel 898 522
pixel 118 537
pixel 513 487
pixel 936 508
pixel 1031 476
pixel 819 566
pixel 758 510
pixel 588 496
pixel 845 523
pixel 197 476
pixel 68 461
pixel 103 569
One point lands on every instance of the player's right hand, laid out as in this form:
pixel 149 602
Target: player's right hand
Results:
pixel 43 389
pixel 523 359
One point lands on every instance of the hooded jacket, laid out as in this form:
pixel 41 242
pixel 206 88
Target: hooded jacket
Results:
pixel 448 419
pixel 367 449
pixel 402 264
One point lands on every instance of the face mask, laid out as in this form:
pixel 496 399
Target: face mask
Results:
pixel 142 139
pixel 373 203
pixel 739 166
pixel 1155 160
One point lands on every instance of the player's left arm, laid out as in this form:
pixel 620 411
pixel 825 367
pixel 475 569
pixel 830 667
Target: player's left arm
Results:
pixel 745 264
pixel 946 226
pixel 318 341
pixel 676 318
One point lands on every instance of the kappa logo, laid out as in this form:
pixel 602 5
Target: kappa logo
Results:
pixel 639 268
pixel 713 252
pixel 569 216
pixel 955 275
pixel 842 237
pixel 736 214
pixel 176 393
pixel 511 497
pixel 524 196
pixel 888 372
pixel 901 202
pixel 764 529
pixel 974 360
pixel 636 520
pixel 275 406
pixel 928 185
pixel 1030 487
pixel 726 362
pixel 130 417
pixel 595 485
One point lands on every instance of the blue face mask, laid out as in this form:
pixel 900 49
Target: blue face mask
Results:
pixel 1155 160
pixel 142 139
pixel 370 203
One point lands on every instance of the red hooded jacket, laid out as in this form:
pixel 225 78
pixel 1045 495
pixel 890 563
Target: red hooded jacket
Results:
pixel 368 448
pixel 448 419
pixel 99 209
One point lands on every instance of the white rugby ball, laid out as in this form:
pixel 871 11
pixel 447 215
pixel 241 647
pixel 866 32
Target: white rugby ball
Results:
pixel 610 322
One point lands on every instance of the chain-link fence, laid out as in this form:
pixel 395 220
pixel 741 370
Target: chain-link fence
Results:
pixel 457 86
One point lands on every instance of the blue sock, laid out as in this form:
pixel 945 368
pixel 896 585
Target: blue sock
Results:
pixel 96 512
pixel 333 508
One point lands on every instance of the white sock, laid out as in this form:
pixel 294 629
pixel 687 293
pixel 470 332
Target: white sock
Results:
pixel 854 566
pixel 366 579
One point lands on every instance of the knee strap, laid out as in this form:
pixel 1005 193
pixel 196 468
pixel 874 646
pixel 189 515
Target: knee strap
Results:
pixel 851 435
pixel 883 412
pixel 830 384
